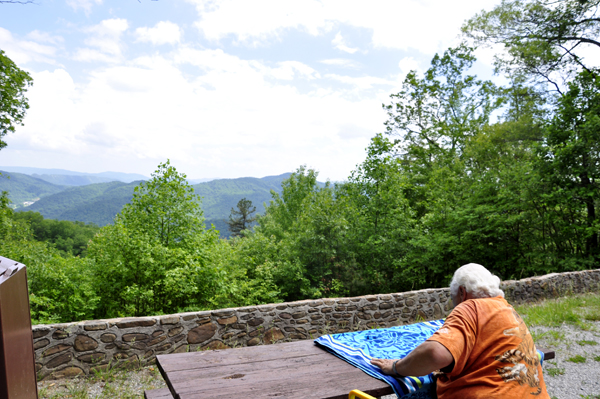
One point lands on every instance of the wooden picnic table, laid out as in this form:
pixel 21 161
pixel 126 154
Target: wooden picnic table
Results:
pixel 288 370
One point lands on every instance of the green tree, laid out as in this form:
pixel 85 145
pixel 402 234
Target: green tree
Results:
pixel 571 156
pixel 433 116
pixel 380 221
pixel 241 219
pixel 544 39
pixel 68 237
pixel 157 257
pixel 13 103
pixel 60 285
pixel 165 208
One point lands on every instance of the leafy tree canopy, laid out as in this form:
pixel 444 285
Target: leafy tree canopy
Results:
pixel 544 39
pixel 13 103
pixel 165 208
pixel 434 115
pixel 571 158
pixel 241 219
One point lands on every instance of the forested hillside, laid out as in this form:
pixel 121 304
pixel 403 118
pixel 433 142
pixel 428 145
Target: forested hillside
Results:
pixel 464 171
pixel 72 178
pixel 66 180
pixel 94 203
pixel 219 196
pixel 99 203
pixel 23 188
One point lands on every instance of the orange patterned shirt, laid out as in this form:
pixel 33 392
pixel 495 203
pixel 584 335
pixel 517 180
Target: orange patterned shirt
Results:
pixel 494 354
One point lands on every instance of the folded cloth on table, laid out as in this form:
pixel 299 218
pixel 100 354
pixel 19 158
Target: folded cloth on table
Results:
pixel 358 348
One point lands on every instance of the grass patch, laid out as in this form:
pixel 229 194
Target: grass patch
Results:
pixel 571 310
pixel 597 358
pixel 576 359
pixel 584 342
pixel 554 371
pixel 110 383
pixel 592 316
pixel 552 337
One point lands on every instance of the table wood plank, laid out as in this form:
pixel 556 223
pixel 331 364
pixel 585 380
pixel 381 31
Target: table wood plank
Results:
pixel 327 386
pixel 294 370
pixel 275 371
pixel 252 354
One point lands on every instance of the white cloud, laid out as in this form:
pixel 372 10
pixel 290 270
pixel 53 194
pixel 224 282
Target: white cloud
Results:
pixel 342 62
pixel 409 24
pixel 348 131
pixel 363 82
pixel 104 41
pixel 256 21
pixel 85 5
pixel 288 70
pixel 45 37
pixel 340 44
pixel 230 119
pixel 91 55
pixel 408 64
pixel 25 51
pixel 164 32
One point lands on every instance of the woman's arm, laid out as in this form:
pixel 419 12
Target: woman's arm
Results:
pixel 427 357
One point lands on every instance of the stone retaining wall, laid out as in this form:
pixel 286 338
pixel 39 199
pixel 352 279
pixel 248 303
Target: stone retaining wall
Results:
pixel 70 349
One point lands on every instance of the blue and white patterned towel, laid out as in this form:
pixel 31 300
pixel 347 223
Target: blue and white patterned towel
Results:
pixel 358 348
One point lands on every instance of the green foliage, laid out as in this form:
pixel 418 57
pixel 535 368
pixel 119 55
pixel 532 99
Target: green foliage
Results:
pixel 60 286
pixel 241 219
pixel 67 237
pixel 154 259
pixel 158 258
pixel 94 203
pixel 23 188
pixel 593 316
pixel 219 196
pixel 570 161
pixel 165 209
pixel 136 275
pixel 443 187
pixel 13 103
pixel 544 39
pixel 100 203
pixel 436 114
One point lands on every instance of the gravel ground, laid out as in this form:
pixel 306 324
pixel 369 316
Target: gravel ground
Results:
pixel 567 376
pixel 128 384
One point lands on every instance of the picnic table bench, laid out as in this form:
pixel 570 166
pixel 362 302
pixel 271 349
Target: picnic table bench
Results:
pixel 298 369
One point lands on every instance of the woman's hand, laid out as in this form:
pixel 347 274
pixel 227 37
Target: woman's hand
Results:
pixel 385 365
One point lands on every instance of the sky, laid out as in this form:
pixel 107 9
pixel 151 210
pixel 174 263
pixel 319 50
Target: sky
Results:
pixel 223 89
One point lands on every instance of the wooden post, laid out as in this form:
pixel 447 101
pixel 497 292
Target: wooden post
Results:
pixel 17 361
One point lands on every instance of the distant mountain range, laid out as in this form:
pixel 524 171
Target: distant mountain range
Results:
pixel 99 202
pixel 71 178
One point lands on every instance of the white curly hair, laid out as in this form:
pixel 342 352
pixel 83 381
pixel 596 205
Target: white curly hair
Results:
pixel 477 280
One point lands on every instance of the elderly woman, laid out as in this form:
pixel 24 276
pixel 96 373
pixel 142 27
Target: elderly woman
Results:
pixel 483 350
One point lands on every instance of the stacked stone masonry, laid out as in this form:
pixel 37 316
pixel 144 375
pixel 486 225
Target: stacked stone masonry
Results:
pixel 70 349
